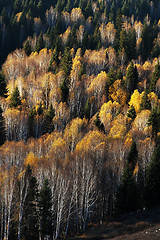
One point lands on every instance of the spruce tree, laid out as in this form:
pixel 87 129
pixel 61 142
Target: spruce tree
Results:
pixel 87 109
pixel 67 62
pixel 131 78
pixel 118 26
pixel 152 193
pixel 154 120
pixel 111 77
pixel 3 90
pixel 146 41
pixel 98 123
pixel 65 90
pixel 127 197
pixel 30 221
pixel 123 40
pixel 133 156
pixel 48 125
pixel 45 210
pixel 31 122
pixel 39 43
pixel 119 75
pixel 27 48
pixel 54 59
pixel 131 45
pixel 131 112
pixel 155 77
pixel 2 128
pixel 145 103
pixel 15 99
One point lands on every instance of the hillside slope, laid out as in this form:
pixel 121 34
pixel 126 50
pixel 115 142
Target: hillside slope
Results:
pixel 134 226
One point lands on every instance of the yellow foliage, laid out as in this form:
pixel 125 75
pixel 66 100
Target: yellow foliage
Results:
pixel 35 54
pixel 65 35
pixel 12 113
pixel 31 160
pixel 73 132
pixel 139 42
pixel 18 15
pixel 147 66
pixel 116 93
pixel 135 100
pixel 118 129
pixel 43 51
pixel 76 14
pixel 91 140
pixel 153 99
pixel 128 141
pixel 76 66
pixel 136 169
pixel 79 53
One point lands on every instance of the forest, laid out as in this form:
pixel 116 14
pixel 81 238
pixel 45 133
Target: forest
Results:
pixel 79 114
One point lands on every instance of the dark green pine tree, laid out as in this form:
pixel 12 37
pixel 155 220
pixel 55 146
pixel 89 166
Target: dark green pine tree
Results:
pixel 31 122
pixel 133 156
pixel 146 41
pixel 2 128
pixel 65 90
pixel 68 6
pixel 155 77
pixel 50 113
pixel 123 41
pixel 66 62
pixel 111 78
pixel 156 50
pixel 48 125
pixel 39 44
pixel 17 6
pixel 40 109
pixel 82 5
pixel 88 9
pixel 4 16
pixel 82 70
pixel 131 78
pixel 3 89
pixel 112 14
pixel 40 9
pixel 131 45
pixel 15 99
pixel 152 193
pixel 145 103
pixel 72 38
pixel 131 112
pixel 98 123
pixel 30 220
pixel 54 59
pixel 45 210
pixel 118 26
pixel 125 8
pixel 154 121
pixel 87 109
pixel 119 74
pixel 127 196
pixel 95 42
pixel 27 48
pixel 85 42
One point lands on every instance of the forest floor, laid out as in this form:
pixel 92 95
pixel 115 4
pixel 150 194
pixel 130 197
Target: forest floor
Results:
pixel 133 226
